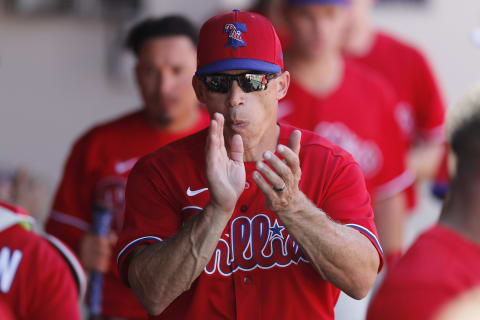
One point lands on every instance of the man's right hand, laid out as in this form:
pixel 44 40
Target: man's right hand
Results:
pixel 96 252
pixel 225 170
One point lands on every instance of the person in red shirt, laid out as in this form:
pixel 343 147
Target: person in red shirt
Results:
pixel 420 111
pixel 35 281
pixel 348 105
pixel 96 171
pixel 249 219
pixel 444 261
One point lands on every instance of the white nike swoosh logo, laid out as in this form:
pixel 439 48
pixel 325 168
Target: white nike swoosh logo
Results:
pixel 192 193
pixel 124 166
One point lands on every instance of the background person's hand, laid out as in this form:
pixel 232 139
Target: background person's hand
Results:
pixel 96 252
pixel 225 170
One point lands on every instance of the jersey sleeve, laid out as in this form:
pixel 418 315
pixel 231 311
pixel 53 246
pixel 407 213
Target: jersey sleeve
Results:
pixel 347 201
pixel 429 106
pixel 393 176
pixel 150 215
pixel 70 215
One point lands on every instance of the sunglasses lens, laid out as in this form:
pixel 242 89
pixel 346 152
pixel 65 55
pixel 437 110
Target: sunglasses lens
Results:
pixel 217 83
pixel 249 82
pixel 254 82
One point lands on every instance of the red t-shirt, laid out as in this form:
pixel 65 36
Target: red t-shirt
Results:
pixel 257 270
pixel 439 266
pixel 357 116
pixel 96 173
pixel 421 110
pixel 35 281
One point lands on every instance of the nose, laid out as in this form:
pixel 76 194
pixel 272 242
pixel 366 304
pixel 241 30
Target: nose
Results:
pixel 235 96
pixel 164 83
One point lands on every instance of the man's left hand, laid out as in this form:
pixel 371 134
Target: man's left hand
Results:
pixel 280 182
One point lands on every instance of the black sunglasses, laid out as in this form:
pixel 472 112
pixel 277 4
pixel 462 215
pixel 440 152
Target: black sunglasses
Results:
pixel 248 81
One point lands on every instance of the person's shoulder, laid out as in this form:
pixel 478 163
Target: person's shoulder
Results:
pixel 18 237
pixel 118 124
pixel 105 130
pixel 436 246
pixel 401 48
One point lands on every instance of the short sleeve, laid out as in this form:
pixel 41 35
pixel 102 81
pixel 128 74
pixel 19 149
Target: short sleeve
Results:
pixel 69 218
pixel 149 214
pixel 348 202
pixel 429 105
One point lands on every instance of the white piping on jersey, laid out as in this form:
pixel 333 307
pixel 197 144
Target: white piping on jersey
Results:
pixel 71 221
pixel 134 242
pixel 368 232
pixel 9 218
pixel 73 262
pixel 394 186
pixel 192 207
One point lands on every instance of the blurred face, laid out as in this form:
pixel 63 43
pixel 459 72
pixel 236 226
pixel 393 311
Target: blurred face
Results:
pixel 360 9
pixel 317 30
pixel 164 71
pixel 252 115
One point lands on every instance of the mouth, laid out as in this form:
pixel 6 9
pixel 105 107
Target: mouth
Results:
pixel 237 125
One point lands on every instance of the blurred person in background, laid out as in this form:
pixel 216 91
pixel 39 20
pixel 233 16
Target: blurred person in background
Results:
pixel 20 186
pixel 420 111
pixel 97 168
pixel 444 261
pixel 35 282
pixel 464 307
pixel 350 106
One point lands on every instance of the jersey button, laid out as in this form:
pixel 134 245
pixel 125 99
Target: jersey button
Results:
pixel 246 280
pixel 247 185
pixel 244 208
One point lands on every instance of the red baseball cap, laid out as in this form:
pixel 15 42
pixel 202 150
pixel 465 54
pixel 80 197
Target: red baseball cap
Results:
pixel 238 40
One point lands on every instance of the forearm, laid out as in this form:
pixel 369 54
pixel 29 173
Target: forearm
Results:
pixel 339 253
pixel 159 273
pixel 390 222
pixel 425 159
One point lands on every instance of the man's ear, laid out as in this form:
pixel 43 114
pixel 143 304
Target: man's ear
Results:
pixel 283 81
pixel 200 90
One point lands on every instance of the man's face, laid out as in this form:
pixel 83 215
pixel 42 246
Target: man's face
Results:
pixel 164 71
pixel 317 30
pixel 252 114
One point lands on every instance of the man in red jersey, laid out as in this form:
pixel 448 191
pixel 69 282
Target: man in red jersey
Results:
pixel 100 161
pixel 444 261
pixel 35 282
pixel 420 111
pixel 349 106
pixel 249 219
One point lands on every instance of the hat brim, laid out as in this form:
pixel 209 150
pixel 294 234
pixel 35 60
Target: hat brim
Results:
pixel 238 64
